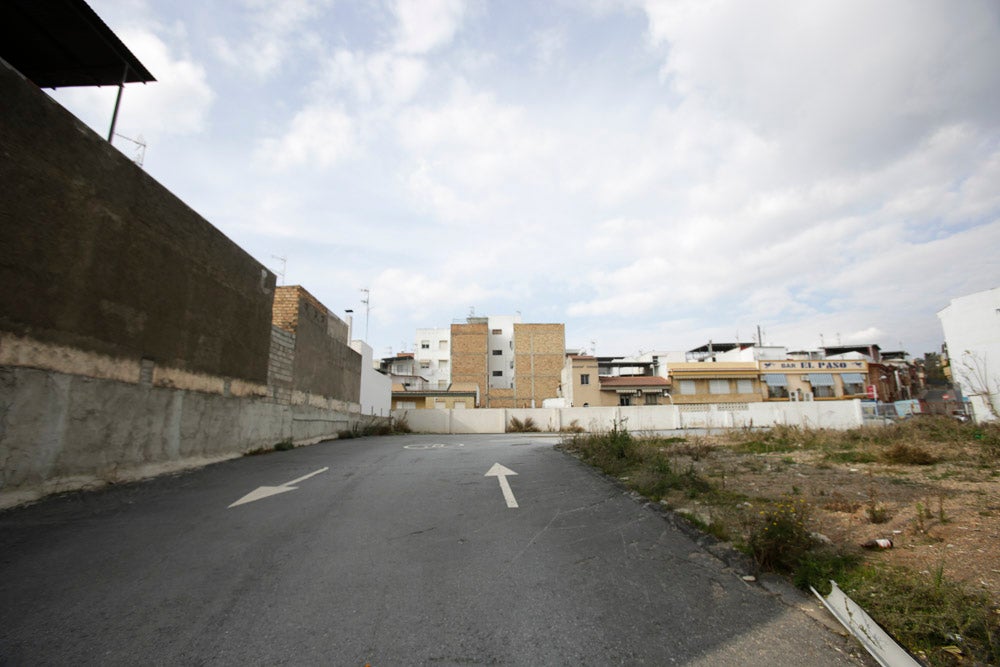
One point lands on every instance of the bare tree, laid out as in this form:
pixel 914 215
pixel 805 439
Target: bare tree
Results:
pixel 978 381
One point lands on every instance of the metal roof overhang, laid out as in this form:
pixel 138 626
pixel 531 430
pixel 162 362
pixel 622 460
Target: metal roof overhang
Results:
pixel 61 43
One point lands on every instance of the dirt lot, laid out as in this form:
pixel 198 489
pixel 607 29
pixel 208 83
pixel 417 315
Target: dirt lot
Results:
pixel 940 515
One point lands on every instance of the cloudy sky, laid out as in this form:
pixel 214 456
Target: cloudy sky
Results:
pixel 653 173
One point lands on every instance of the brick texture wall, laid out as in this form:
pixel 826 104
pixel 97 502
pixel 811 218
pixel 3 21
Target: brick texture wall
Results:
pixel 539 355
pixel 322 362
pixel 98 256
pixel 469 350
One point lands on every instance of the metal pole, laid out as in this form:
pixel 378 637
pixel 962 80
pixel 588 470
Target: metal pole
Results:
pixel 118 103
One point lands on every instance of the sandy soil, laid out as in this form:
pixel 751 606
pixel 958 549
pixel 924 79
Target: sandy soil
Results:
pixel 945 515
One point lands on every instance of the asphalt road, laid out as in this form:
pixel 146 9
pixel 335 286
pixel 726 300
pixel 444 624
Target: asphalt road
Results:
pixel 399 551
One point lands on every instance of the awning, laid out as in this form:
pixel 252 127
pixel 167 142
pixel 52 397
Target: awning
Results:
pixel 776 379
pixel 853 378
pixel 821 379
pixel 58 43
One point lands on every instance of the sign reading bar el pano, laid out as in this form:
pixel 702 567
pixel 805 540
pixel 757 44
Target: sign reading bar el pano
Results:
pixel 812 365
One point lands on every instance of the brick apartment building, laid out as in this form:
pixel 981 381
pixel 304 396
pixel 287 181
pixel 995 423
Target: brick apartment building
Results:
pixel 512 364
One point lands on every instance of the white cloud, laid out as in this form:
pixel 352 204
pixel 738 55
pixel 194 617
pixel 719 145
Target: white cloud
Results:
pixel 841 85
pixel 425 25
pixel 380 77
pixel 177 103
pixel 319 136
pixel 276 30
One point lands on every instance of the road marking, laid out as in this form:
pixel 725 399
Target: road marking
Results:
pixel 437 445
pixel 265 491
pixel 500 472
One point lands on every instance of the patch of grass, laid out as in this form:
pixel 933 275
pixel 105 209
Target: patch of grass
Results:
pixel 817 567
pixel 927 613
pixel 282 446
pixel 518 426
pixel 778 538
pixel 574 427
pixel 765 447
pixel 874 510
pixel 379 427
pixel 906 454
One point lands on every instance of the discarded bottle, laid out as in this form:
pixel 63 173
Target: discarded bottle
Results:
pixel 880 543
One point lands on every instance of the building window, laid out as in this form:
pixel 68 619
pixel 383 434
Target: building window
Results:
pixel 744 386
pixel 687 387
pixel 718 386
pixel 497 374
pixel 425 345
pixel 585 378
pixel 497 353
pixel 442 384
pixel 497 332
pixel 624 399
pixel 442 363
pixel 822 385
pixel 425 364
pixel 652 399
pixel 442 345
pixel 853 388
pixel 854 383
pixel 777 385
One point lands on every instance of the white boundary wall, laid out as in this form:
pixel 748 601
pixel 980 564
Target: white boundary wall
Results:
pixel 809 414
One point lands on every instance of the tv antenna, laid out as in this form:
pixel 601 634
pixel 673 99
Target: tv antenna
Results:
pixel 284 266
pixel 138 154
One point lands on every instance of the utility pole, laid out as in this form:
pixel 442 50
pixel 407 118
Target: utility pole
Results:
pixel 366 300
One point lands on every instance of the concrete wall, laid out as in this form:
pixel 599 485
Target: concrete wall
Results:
pixel 98 256
pixel 376 387
pixel 134 336
pixel 827 414
pixel 64 431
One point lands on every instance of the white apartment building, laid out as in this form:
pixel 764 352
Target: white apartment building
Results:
pixel 501 346
pixel 432 356
pixel 971 326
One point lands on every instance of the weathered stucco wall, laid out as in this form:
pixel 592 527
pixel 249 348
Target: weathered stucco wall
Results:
pixel 61 431
pixel 827 414
pixel 324 363
pixel 99 256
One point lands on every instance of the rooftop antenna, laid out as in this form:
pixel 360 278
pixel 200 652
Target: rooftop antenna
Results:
pixel 593 347
pixel 138 147
pixel 284 266
pixel 366 300
pixel 838 338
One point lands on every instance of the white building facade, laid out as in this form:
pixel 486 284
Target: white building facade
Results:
pixel 501 346
pixel 432 356
pixel 971 326
pixel 376 388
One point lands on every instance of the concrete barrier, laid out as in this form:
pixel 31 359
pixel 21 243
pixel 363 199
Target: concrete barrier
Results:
pixel 63 432
pixel 809 414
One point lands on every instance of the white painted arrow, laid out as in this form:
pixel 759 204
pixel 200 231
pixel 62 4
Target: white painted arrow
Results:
pixel 500 472
pixel 265 491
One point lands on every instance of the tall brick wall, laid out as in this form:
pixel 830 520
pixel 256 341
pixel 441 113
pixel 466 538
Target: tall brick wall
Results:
pixel 322 362
pixel 539 355
pixel 285 310
pixel 280 364
pixel 96 255
pixel 469 350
